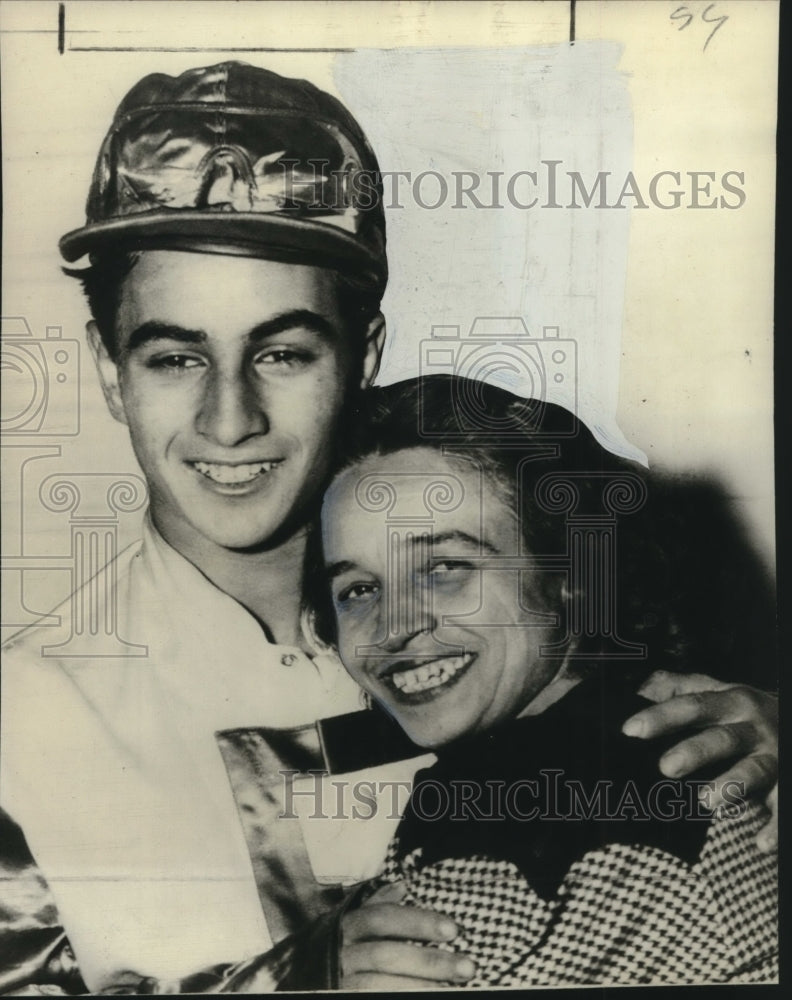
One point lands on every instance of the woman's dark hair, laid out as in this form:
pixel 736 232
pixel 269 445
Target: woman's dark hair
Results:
pixel 685 583
pixel 102 281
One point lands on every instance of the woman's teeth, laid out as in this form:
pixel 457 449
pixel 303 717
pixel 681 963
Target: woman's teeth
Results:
pixel 230 475
pixel 428 675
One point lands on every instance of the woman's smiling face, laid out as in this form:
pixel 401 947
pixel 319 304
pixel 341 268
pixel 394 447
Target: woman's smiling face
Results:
pixel 432 621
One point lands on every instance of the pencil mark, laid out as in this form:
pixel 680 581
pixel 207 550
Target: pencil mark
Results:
pixel 685 13
pixel 717 21
pixel 678 14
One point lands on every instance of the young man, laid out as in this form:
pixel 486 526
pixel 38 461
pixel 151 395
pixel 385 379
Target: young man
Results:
pixel 237 259
pixel 235 295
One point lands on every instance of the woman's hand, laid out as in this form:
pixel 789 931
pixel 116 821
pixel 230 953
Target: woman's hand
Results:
pixel 728 721
pixel 379 950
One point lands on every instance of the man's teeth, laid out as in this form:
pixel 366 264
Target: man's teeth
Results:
pixel 428 675
pixel 233 474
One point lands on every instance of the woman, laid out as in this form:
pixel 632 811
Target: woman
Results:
pixel 502 589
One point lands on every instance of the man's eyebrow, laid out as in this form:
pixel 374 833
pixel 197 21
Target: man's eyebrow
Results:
pixel 295 318
pixel 155 330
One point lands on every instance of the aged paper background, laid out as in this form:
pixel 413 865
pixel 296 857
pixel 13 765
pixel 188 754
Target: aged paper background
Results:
pixel 670 309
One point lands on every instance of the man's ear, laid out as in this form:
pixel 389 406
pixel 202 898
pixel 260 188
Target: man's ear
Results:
pixel 108 372
pixel 375 341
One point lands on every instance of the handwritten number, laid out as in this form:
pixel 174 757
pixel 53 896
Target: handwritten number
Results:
pixel 681 12
pixel 685 14
pixel 717 21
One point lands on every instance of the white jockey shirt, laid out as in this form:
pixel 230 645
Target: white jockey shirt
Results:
pixel 111 766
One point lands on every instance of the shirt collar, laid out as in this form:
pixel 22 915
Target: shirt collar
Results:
pixel 576 744
pixel 196 596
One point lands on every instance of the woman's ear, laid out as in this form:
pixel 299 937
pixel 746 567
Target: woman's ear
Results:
pixel 375 341
pixel 108 372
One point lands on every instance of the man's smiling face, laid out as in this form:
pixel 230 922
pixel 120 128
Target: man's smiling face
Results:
pixel 231 374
